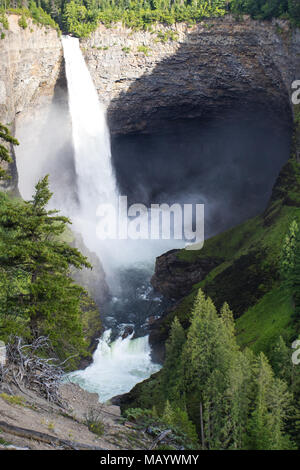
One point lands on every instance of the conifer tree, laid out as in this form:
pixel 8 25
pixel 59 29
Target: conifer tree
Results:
pixel 171 373
pixel 214 376
pixel 6 138
pixel 271 406
pixel 36 263
pixel 285 369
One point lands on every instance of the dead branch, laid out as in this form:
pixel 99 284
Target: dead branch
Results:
pixel 159 438
pixel 26 369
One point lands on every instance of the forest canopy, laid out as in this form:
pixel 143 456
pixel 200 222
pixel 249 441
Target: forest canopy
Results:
pixel 81 17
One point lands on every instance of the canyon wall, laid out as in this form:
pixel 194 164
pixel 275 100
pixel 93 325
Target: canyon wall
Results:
pixel 183 71
pixel 30 63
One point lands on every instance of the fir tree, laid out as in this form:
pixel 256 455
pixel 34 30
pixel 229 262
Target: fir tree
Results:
pixel 36 266
pixel 271 405
pixel 171 374
pixel 7 140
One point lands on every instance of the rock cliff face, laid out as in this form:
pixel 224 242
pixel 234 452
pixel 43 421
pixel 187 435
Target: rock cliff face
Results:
pixel 30 62
pixel 175 277
pixel 182 72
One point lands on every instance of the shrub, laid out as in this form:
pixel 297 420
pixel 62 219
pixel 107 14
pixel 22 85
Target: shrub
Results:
pixel 22 22
pixel 144 49
pixel 94 422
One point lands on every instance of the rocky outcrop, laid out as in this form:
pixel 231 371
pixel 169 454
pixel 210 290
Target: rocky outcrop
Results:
pixel 174 277
pixel 182 71
pixel 30 61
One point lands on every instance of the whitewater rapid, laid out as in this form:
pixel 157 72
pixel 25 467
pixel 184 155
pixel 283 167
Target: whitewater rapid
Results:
pixel 116 367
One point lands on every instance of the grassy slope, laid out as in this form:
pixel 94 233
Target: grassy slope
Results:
pixel 247 276
pixel 269 314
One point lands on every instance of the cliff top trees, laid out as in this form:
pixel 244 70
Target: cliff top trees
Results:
pixel 35 267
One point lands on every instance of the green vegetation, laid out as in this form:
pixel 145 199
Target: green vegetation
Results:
pixel 94 422
pixel 13 399
pixel 232 397
pixel 22 21
pixel 183 431
pixel 267 9
pixel 37 294
pixel 81 17
pixel 144 49
pixel 6 139
pixel 250 255
pixel 167 36
pixel 26 10
pixel 236 381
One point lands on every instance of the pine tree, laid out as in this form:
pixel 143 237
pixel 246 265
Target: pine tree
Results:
pixel 271 406
pixel 214 376
pixel 36 266
pixel 6 138
pixel 170 381
pixel 287 257
pixel 290 373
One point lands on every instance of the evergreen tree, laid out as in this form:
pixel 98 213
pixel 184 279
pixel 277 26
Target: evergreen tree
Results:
pixel 214 376
pixel 171 372
pixel 290 373
pixel 36 266
pixel 287 258
pixel 7 139
pixel 271 406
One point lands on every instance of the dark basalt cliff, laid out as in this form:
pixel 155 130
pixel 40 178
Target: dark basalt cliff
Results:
pixel 174 277
pixel 216 65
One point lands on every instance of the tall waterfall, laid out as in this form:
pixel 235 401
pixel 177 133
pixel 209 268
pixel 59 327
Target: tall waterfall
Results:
pixel 95 177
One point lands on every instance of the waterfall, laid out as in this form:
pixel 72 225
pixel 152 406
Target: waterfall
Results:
pixel 95 177
pixel 116 366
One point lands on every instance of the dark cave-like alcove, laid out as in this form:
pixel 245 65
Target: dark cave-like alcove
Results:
pixel 211 123
pixel 229 165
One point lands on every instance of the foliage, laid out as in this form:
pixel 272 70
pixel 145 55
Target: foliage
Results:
pixel 267 9
pixel 37 291
pixel 144 49
pixel 288 251
pixel 4 20
pixel 94 422
pixel 13 399
pixel 232 397
pixel 23 22
pixel 5 138
pixel 183 432
pixel 26 9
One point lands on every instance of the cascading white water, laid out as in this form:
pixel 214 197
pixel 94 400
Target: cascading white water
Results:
pixel 95 177
pixel 116 366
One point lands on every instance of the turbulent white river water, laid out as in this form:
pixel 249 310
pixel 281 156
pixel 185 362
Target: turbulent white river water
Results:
pixel 116 366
